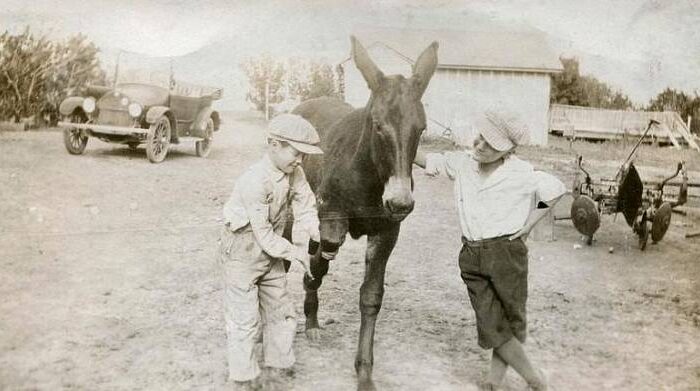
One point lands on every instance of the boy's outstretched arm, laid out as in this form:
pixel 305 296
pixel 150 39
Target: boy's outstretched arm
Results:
pixel 420 159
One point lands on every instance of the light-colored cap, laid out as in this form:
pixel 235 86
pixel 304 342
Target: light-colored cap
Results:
pixel 502 130
pixel 296 131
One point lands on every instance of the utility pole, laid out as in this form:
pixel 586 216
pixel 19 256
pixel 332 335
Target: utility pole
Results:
pixel 116 69
pixel 267 100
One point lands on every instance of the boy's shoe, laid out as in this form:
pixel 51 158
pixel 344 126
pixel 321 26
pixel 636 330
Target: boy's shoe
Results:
pixel 281 373
pixel 487 386
pixel 249 385
pixel 542 384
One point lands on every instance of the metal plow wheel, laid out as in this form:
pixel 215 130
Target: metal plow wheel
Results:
pixel 661 222
pixel 158 140
pixel 75 139
pixel 584 214
pixel 641 228
pixel 203 147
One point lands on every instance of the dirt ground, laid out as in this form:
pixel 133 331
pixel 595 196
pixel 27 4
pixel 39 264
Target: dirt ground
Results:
pixel 108 281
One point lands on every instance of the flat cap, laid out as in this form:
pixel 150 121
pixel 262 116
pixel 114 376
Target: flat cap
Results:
pixel 296 131
pixel 502 129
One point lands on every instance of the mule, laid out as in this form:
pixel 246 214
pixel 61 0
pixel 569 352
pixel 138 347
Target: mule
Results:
pixel 363 182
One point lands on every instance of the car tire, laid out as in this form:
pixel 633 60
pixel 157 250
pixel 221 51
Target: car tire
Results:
pixel 74 139
pixel 203 147
pixel 158 139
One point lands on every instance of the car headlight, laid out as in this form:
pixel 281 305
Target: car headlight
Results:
pixel 89 104
pixel 135 110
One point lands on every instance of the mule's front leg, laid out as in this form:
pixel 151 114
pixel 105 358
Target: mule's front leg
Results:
pixel 333 229
pixel 371 293
pixel 319 268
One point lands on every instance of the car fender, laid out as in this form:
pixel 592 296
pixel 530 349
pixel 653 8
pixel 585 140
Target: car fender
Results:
pixel 200 122
pixel 70 104
pixel 156 112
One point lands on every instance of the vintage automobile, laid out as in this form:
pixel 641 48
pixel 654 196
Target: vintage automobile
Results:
pixel 142 111
pixel 646 210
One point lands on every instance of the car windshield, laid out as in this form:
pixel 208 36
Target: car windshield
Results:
pixel 164 80
pixel 140 76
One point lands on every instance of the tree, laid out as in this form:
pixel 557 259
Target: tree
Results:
pixel 685 105
pixel 570 88
pixel 76 66
pixel 36 73
pixel 309 80
pixel 295 79
pixel 566 86
pixel 261 72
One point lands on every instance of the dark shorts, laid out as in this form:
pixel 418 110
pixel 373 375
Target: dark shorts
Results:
pixel 495 271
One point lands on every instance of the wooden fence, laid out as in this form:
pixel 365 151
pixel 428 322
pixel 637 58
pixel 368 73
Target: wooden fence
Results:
pixel 601 124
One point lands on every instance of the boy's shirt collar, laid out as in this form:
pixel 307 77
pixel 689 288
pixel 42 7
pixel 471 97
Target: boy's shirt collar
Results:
pixel 274 172
pixel 510 165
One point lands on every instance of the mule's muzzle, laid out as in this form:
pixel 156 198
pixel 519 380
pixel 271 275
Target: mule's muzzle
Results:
pixel 398 210
pixel 398 198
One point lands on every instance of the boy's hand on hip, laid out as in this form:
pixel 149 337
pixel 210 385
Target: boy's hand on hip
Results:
pixel 524 231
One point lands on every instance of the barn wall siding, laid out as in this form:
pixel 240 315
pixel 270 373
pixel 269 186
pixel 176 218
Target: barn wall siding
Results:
pixel 454 97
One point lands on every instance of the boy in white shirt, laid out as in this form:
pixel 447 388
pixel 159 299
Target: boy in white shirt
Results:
pixel 499 199
pixel 253 250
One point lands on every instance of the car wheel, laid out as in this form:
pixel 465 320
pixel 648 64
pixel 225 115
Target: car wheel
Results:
pixel 75 139
pixel 158 140
pixel 203 147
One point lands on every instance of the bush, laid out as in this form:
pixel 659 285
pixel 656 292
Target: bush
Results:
pixel 38 73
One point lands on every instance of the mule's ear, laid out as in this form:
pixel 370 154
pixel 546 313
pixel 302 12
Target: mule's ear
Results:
pixel 369 70
pixel 425 66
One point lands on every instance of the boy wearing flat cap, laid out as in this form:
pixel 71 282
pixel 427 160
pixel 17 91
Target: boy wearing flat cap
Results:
pixel 253 250
pixel 499 199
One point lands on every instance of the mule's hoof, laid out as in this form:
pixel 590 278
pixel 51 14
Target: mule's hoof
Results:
pixel 313 334
pixel 364 378
pixel 366 385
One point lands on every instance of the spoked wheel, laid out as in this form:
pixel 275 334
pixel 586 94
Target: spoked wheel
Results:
pixel 75 139
pixel 158 140
pixel 203 147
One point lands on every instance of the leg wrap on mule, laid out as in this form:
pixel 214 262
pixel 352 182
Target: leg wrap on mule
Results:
pixel 329 250
pixel 313 247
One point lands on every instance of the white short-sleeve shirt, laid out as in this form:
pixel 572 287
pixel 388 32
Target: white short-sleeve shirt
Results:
pixel 500 204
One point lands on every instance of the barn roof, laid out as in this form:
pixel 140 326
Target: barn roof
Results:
pixel 475 50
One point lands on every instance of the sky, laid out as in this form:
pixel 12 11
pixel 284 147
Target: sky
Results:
pixel 638 47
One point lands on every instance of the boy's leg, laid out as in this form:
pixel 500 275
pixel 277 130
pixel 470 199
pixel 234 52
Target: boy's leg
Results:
pixel 241 265
pixel 498 370
pixel 513 354
pixel 241 312
pixel 278 317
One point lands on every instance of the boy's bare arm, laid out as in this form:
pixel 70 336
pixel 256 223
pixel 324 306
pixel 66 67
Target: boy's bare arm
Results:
pixel 420 159
pixel 535 215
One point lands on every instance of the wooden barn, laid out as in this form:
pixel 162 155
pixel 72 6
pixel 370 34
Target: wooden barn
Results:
pixel 476 70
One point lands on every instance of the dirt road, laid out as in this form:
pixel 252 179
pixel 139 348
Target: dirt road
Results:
pixel 108 281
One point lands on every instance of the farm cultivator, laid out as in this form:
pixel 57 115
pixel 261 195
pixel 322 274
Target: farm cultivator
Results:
pixel 646 210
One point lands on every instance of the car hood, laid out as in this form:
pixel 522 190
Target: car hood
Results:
pixel 145 95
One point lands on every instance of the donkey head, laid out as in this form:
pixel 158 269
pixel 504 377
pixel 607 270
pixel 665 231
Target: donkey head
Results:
pixel 395 121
